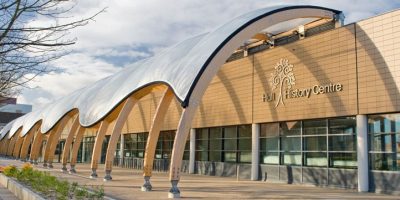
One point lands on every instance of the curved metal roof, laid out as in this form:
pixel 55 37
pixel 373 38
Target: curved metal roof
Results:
pixel 6 129
pixel 180 67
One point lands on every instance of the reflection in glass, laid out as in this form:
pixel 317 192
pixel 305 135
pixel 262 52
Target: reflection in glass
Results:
pixel 229 156
pixel 343 160
pixel 245 156
pixel 342 143
pixel 314 127
pixel 230 132
pixel 269 144
pixel 291 158
pixel 269 157
pixel 384 134
pixel 317 143
pixel 215 156
pixel 346 125
pixel 291 143
pixel 245 144
pixel 291 128
pixel 230 144
pixel 315 159
pixel 269 130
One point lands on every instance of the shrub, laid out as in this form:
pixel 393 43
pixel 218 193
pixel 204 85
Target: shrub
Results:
pixel 27 167
pixel 11 171
pixel 49 186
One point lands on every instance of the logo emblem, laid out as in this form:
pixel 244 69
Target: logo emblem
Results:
pixel 282 78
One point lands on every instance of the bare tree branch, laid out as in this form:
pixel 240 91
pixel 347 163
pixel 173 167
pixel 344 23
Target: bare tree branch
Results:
pixel 26 49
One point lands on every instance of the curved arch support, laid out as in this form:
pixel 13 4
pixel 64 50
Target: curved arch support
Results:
pixel 75 148
pixel 178 149
pixel 27 142
pixel 11 146
pixel 18 145
pixel 116 132
pixel 68 143
pixel 5 148
pixel 154 133
pixel 2 144
pixel 35 148
pixel 56 136
pixel 46 152
pixel 98 144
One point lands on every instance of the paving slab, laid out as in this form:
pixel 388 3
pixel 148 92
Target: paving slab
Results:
pixel 126 184
pixel 5 194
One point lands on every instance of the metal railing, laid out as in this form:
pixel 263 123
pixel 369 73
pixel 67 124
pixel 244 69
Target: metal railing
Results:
pixel 159 165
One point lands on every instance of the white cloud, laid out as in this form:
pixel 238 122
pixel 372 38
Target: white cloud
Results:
pixel 131 30
pixel 76 71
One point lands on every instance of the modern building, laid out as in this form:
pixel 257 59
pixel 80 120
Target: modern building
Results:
pixel 283 94
pixel 10 110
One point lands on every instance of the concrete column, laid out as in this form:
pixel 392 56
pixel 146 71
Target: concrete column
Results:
pixel 121 150
pixel 255 151
pixel 192 148
pixel 83 150
pixel 362 153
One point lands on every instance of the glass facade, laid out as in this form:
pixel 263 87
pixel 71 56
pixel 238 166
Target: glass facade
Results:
pixel 135 145
pixel 58 151
pixel 384 142
pixel 314 143
pixel 224 144
pixel 86 147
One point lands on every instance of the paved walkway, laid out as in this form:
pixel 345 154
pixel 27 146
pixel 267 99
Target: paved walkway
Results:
pixel 126 184
pixel 5 194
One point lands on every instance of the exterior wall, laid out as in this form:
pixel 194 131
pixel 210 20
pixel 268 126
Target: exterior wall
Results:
pixel 229 95
pixel 345 178
pixel 319 60
pixel 378 60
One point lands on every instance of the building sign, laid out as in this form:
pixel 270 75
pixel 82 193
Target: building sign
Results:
pixel 283 80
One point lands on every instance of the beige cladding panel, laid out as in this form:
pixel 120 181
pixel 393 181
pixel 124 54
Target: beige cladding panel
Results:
pixel 139 118
pixel 66 128
pixel 227 100
pixel 319 60
pixel 378 57
pixel 172 116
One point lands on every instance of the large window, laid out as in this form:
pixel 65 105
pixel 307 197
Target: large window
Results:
pixel 230 144
pixel 86 147
pixel 215 144
pixel 315 139
pixel 314 143
pixel 135 144
pixel 224 144
pixel 165 144
pixel 342 142
pixel 269 143
pixel 244 144
pixel 384 145
pixel 291 142
pixel 202 144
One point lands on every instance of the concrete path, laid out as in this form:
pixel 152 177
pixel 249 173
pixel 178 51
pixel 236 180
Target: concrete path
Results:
pixel 5 194
pixel 126 184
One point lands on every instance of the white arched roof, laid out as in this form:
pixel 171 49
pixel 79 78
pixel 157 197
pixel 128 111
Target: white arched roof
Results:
pixel 180 67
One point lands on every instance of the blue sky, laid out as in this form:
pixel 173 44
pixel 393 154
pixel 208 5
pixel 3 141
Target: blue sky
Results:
pixel 131 30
